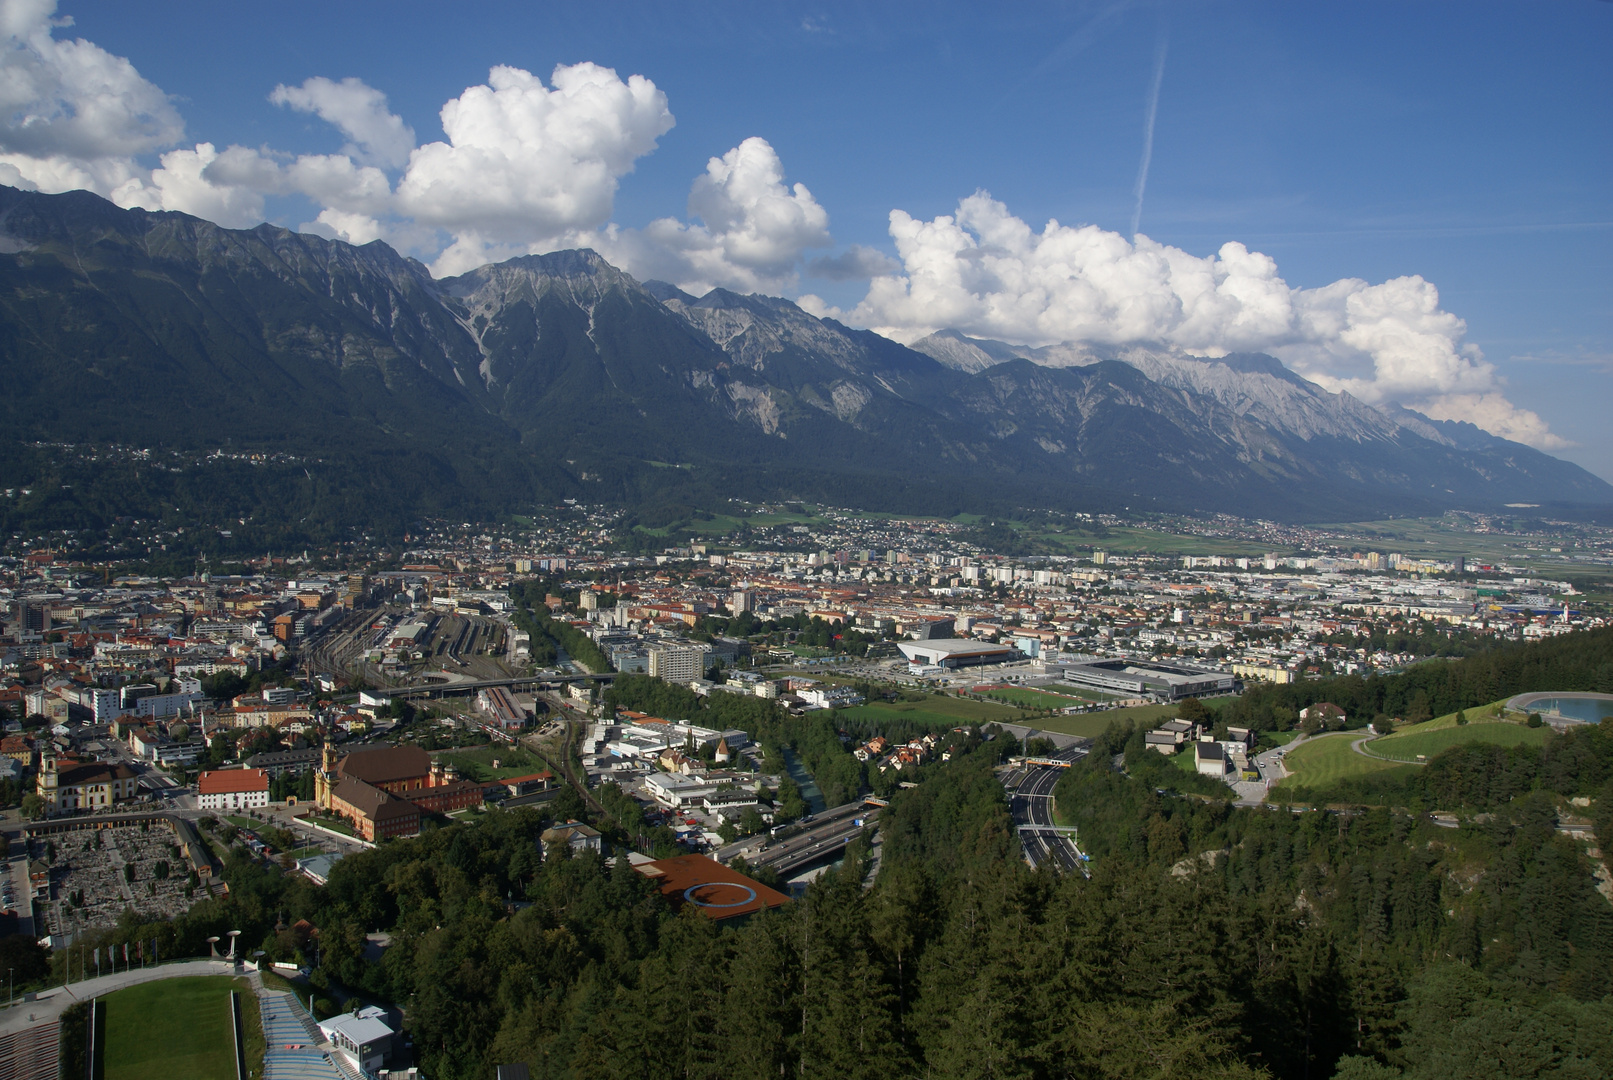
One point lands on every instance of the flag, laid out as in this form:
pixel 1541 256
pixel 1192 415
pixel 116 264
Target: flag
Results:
pixel 125 954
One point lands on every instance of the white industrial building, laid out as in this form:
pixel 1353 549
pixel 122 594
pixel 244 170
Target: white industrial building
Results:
pixel 1149 678
pixel 955 652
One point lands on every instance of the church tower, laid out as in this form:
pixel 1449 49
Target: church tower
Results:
pixel 325 778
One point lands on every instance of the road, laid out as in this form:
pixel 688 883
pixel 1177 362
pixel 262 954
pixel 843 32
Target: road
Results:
pixel 821 838
pixel 1032 804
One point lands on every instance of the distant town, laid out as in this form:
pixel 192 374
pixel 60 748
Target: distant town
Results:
pixel 308 706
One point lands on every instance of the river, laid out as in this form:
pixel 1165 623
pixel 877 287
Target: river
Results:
pixel 804 781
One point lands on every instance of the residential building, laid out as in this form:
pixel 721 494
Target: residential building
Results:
pixel 233 789
pixel 573 834
pixel 680 663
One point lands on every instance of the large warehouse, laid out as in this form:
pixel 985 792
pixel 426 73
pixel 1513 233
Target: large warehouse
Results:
pixel 1148 678
pixel 955 652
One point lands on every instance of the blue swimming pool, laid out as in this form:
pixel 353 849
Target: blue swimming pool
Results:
pixel 1590 710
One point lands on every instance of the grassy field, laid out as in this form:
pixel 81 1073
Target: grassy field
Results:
pixel 1090 725
pixel 477 763
pixel 941 711
pixel 1328 759
pixel 1031 699
pixel 1087 726
pixel 173 1029
pixel 1082 693
pixel 1407 747
pixel 331 822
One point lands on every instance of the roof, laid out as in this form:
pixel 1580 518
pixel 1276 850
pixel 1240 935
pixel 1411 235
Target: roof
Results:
pixel 384 764
pixel 717 891
pixel 319 867
pixel 371 801
pixel 362 1030
pixel 92 773
pixel 952 647
pixel 284 757
pixel 545 775
pixel 230 781
pixel 1209 751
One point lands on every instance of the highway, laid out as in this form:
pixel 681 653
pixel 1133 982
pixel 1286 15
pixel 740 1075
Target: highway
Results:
pixel 1032 804
pixel 821 839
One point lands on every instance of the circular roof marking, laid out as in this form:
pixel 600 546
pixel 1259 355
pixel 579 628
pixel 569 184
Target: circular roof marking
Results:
pixel 688 894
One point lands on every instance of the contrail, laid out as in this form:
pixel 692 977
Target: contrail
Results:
pixel 1148 129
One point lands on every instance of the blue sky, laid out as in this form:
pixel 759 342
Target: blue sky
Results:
pixel 1463 147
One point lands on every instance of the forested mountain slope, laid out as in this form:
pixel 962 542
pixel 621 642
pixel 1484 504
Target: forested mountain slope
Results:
pixel 365 392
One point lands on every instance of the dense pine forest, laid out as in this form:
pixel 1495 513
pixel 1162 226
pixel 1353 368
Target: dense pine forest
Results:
pixel 1363 941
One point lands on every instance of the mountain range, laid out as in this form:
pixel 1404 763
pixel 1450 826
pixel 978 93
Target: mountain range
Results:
pixel 280 374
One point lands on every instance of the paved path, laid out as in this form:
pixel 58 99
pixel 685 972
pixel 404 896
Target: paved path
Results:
pixel 1271 767
pixel 48 1007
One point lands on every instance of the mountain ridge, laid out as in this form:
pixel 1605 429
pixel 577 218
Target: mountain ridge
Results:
pixel 560 375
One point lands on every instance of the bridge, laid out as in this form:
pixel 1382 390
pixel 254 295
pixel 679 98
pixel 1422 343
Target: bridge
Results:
pixel 1030 802
pixel 446 687
pixel 820 840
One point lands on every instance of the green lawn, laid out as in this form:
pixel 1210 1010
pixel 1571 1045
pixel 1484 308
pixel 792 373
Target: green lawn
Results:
pixel 1407 745
pixel 1086 726
pixel 1091 725
pixel 335 824
pixel 940 711
pixel 1081 693
pixel 477 764
pixel 1031 698
pixel 173 1029
pixel 1478 713
pixel 1328 759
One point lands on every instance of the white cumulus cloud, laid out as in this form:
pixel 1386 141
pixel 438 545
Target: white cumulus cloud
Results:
pixel 72 115
pixel 524 165
pixel 989 274
pixel 377 136
pixel 752 231
pixel 183 183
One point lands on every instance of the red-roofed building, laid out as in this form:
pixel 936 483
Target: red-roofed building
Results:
pixel 233 789
pixel 716 892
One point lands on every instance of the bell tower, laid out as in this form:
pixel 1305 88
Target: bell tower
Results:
pixel 325 778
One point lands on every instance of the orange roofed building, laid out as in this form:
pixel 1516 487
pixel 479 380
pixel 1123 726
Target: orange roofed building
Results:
pixel 716 892
pixel 383 790
pixel 233 789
